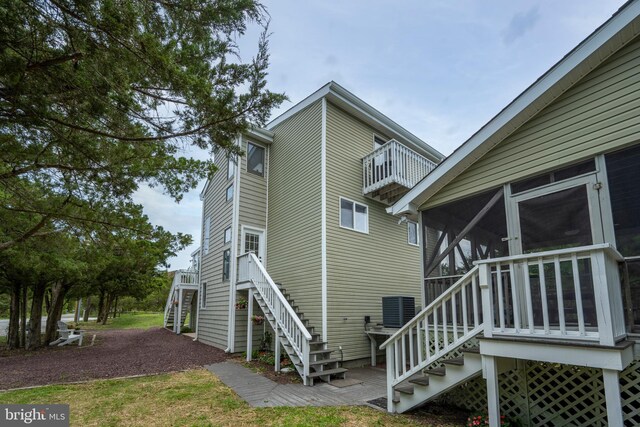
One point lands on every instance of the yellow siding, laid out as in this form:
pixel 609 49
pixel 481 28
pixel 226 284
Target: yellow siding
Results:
pixel 294 223
pixel 361 268
pixel 598 114
pixel 213 321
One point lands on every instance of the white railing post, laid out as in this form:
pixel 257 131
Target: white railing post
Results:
pixel 601 297
pixel 391 363
pixel 484 278
pixel 305 360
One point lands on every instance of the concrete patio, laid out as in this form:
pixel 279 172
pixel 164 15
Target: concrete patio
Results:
pixel 258 391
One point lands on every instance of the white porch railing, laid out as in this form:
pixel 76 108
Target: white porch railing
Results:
pixel 181 278
pixel 393 163
pixel 444 325
pixel 570 293
pixel 251 270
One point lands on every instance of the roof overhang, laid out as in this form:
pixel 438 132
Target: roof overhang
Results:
pixel 365 112
pixel 610 37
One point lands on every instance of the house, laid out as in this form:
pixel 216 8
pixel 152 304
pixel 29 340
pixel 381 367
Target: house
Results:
pixel 531 265
pixel 296 231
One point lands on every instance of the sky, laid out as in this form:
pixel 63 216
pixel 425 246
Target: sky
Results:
pixel 439 68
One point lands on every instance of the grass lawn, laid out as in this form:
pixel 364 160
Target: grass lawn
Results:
pixel 191 398
pixel 139 320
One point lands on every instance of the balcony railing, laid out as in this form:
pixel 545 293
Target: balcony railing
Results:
pixel 393 168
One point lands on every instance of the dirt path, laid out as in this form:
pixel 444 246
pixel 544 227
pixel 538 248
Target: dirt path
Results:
pixel 116 353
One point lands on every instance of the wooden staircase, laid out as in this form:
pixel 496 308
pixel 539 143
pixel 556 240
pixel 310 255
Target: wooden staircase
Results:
pixel 187 298
pixel 432 382
pixel 183 289
pixel 309 354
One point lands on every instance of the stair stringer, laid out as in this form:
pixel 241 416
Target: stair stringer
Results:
pixel 455 375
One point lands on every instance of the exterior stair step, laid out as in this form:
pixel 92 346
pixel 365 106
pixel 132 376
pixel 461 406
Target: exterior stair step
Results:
pixel 404 389
pixel 424 381
pixel 320 352
pixel 458 361
pixel 475 350
pixel 440 372
pixel 327 372
pixel 323 362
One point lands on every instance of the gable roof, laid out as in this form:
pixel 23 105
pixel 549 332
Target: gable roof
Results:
pixel 610 37
pixel 363 111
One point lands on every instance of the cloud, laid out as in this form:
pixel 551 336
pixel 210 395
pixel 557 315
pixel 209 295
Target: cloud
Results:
pixel 520 24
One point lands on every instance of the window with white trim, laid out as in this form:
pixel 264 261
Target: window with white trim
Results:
pixel 230 192
pixel 207 230
pixel 354 215
pixel 227 235
pixel 231 167
pixel 255 159
pixel 412 233
pixel 203 295
pixel 226 264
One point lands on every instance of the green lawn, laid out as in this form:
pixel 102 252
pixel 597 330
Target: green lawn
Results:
pixel 191 398
pixel 140 320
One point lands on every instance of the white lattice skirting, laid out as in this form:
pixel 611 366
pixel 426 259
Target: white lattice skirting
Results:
pixel 546 394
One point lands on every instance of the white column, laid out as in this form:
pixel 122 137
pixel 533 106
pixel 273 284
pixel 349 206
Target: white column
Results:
pixel 490 364
pixel 484 278
pixel 391 363
pixel 249 325
pixel 276 337
pixel 612 395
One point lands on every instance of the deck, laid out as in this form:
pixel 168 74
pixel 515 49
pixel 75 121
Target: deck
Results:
pixel 259 391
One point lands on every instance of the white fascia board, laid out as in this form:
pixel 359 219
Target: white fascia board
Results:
pixel 594 50
pixel 345 99
pixel 259 134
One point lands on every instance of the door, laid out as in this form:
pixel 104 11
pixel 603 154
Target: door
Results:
pixel 556 216
pixel 253 241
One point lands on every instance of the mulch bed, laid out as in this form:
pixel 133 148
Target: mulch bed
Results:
pixel 116 353
pixel 267 370
pixel 433 412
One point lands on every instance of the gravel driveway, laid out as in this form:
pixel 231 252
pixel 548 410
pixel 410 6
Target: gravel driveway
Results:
pixel 116 353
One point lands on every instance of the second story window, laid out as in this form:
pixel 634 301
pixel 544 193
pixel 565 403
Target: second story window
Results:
pixel 230 192
pixel 226 264
pixel 412 231
pixel 227 235
pixel 354 216
pixel 207 230
pixel 231 168
pixel 255 159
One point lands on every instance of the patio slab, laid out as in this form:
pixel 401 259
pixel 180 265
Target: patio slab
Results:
pixel 259 391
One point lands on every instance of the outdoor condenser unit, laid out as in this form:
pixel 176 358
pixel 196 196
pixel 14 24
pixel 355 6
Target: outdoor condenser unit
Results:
pixel 397 311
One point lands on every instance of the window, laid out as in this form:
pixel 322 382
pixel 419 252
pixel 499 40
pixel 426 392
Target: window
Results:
pixel 226 264
pixel 203 295
pixel 230 192
pixel 354 216
pixel 255 159
pixel 231 168
pixel 227 235
pixel 412 231
pixel 207 229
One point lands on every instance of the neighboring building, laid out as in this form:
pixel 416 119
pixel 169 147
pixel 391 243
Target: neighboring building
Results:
pixel 309 200
pixel 532 252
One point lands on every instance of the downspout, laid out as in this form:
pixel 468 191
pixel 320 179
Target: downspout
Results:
pixel 231 330
pixel 323 172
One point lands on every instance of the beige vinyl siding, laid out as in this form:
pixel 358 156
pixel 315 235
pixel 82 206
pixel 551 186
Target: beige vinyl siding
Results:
pixel 361 268
pixel 294 223
pixel 600 113
pixel 213 320
pixel 252 213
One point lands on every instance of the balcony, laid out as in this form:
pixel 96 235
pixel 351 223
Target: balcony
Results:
pixel 391 171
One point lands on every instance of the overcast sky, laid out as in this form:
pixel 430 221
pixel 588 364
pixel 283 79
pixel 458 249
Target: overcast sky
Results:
pixel 441 69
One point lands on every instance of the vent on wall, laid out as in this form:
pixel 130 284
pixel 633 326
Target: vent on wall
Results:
pixel 397 311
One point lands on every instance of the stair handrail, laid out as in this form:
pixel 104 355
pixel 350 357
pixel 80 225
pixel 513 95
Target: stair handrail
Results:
pixel 259 277
pixel 396 369
pixel 169 305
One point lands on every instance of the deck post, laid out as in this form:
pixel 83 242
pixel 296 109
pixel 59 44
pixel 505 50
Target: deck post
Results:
pixel 390 366
pixel 277 348
pixel 612 395
pixel 249 326
pixel 484 277
pixel 490 365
